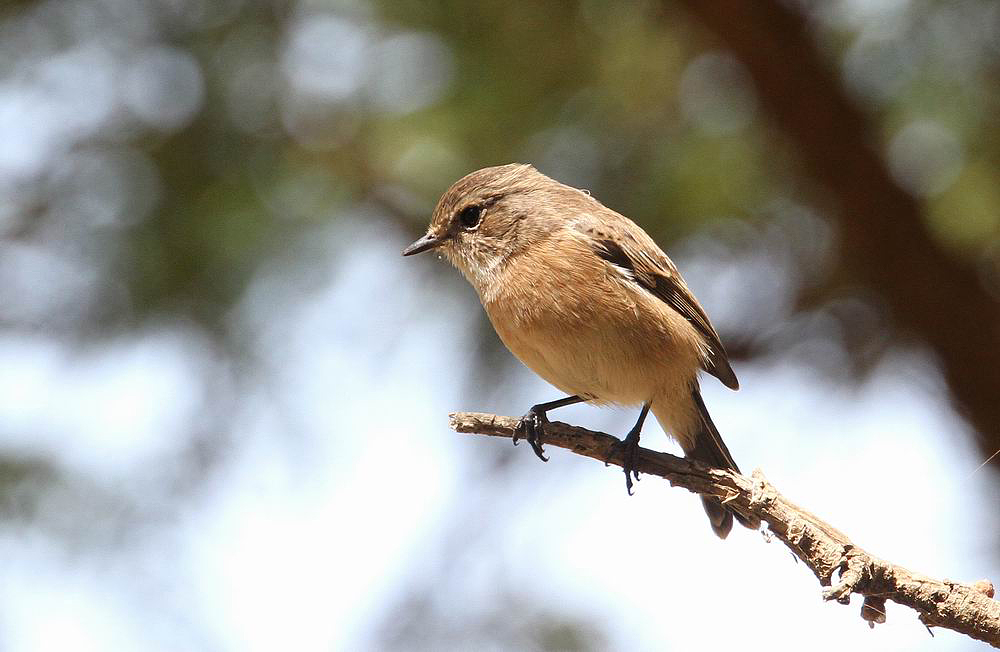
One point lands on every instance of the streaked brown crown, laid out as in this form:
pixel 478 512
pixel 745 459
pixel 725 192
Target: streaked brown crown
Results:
pixel 483 186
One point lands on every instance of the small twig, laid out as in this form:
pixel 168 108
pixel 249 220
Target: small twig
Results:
pixel 964 608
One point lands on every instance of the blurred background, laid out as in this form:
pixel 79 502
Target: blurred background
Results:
pixel 224 395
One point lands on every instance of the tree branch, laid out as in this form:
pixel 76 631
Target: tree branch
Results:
pixel 968 609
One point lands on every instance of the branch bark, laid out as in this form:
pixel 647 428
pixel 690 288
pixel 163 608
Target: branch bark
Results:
pixel 965 608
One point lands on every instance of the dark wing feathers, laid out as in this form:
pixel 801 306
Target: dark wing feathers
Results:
pixel 657 274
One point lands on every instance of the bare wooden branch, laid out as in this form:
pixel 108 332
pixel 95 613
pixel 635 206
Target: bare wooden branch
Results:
pixel 837 563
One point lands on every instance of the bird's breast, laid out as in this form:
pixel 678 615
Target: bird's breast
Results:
pixel 587 330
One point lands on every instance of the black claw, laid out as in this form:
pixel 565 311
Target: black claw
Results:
pixel 535 446
pixel 531 427
pixel 631 444
pixel 629 449
pixel 533 423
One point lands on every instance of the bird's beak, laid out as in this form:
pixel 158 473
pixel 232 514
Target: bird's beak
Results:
pixel 423 244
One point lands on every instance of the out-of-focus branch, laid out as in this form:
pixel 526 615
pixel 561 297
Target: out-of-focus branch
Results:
pixel 964 608
pixel 885 244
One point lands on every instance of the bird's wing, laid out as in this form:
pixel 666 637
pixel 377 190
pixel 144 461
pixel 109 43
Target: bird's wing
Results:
pixel 628 248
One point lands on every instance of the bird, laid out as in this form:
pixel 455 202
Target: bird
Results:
pixel 585 298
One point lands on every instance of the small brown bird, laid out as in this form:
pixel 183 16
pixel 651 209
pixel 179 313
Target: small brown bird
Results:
pixel 584 297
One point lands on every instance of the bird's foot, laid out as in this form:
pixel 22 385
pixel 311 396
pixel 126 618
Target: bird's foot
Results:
pixel 629 449
pixel 530 427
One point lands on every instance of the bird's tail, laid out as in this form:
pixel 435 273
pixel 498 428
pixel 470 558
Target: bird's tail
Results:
pixel 703 442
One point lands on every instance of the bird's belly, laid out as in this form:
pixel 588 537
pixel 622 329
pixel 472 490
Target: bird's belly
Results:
pixel 593 355
pixel 600 371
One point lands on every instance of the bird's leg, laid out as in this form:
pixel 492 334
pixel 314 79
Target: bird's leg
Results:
pixel 532 423
pixel 629 447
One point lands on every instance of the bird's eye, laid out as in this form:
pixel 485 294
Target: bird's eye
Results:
pixel 470 216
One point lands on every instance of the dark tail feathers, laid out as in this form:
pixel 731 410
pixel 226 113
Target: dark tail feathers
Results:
pixel 711 450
